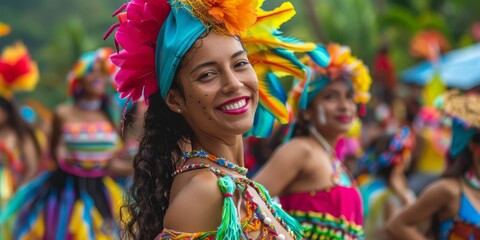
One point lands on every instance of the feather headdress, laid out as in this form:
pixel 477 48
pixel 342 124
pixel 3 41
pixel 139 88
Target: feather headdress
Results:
pixel 156 34
pixel 342 66
pixel 85 64
pixel 17 70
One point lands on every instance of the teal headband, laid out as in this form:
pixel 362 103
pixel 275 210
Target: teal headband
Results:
pixel 314 88
pixel 461 136
pixel 177 35
pixel 322 58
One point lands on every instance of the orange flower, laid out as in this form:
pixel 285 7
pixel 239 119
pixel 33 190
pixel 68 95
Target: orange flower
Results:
pixel 4 29
pixel 429 44
pixel 17 71
pixel 237 15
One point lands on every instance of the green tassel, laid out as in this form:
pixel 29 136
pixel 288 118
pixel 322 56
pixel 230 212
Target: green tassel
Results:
pixel 230 227
pixel 291 222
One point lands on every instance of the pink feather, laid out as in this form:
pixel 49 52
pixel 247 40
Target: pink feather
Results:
pixel 137 34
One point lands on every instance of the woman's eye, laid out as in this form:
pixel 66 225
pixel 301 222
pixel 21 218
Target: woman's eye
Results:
pixel 206 75
pixel 350 95
pixel 242 63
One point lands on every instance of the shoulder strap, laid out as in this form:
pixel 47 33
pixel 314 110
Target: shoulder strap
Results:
pixel 287 221
pixel 190 167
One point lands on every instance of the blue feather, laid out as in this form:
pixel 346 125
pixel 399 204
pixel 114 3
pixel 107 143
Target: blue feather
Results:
pixel 275 87
pixel 320 56
pixel 262 123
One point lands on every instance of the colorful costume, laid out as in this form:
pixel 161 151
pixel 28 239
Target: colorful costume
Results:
pixel 17 73
pixel 336 212
pixel 374 161
pixel 333 213
pixel 465 111
pixel 255 220
pixel 465 224
pixel 76 201
pixel 156 35
pixel 436 138
pixel 375 222
pixel 11 168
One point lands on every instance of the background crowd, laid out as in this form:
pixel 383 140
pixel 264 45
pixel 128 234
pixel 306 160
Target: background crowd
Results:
pixel 399 155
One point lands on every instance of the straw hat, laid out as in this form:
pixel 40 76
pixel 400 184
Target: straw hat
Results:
pixel 465 106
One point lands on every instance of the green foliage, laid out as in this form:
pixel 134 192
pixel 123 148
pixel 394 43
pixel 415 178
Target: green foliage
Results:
pixel 56 32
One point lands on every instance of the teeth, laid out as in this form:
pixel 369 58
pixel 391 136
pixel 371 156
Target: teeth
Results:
pixel 235 106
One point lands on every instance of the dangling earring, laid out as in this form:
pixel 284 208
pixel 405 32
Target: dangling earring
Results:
pixel 321 115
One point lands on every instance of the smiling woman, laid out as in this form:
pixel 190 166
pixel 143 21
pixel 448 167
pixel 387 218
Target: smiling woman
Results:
pixel 222 87
pixel 313 185
pixel 209 76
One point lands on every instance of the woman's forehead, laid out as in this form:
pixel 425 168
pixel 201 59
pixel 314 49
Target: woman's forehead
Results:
pixel 338 85
pixel 212 46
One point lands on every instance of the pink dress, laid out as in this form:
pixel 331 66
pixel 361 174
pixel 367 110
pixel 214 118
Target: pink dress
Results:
pixel 333 213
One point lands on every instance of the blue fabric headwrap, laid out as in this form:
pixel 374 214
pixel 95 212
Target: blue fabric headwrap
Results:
pixel 177 35
pixel 322 58
pixel 315 87
pixel 461 136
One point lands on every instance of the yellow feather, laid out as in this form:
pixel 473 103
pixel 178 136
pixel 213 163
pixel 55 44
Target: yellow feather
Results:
pixel 273 105
pixel 267 61
pixel 262 43
pixel 276 17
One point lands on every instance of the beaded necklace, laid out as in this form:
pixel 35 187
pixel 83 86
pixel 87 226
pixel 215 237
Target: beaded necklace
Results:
pixel 472 180
pixel 262 192
pixel 220 161
pixel 337 166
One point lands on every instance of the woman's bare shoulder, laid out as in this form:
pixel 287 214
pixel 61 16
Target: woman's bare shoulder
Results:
pixel 298 147
pixel 63 110
pixel 442 191
pixel 196 203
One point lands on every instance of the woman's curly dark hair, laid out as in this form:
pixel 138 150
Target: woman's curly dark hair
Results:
pixel 21 127
pixel 458 166
pixel 164 133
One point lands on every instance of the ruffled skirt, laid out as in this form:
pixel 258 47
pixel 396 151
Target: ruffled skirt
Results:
pixel 59 205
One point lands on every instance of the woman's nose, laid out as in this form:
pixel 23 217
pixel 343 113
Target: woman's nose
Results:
pixel 231 82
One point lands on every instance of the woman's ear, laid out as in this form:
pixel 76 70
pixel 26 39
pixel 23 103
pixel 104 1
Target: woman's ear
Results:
pixel 474 148
pixel 175 100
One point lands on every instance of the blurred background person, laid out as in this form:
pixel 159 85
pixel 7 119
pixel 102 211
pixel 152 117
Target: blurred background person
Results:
pixel 451 203
pixel 312 183
pixel 77 199
pixel 387 158
pixel 189 179
pixel 20 150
